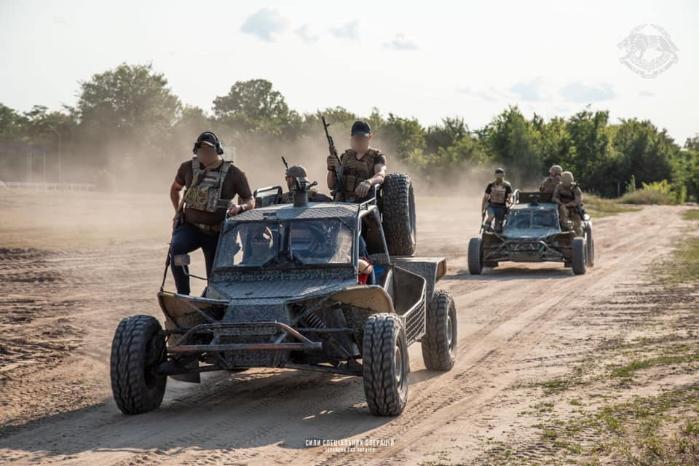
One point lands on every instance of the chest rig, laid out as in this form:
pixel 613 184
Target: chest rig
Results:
pixel 498 193
pixel 565 194
pixel 205 191
pixel 355 171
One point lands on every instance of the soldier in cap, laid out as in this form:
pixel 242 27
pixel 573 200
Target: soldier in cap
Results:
pixel 297 174
pixel 363 167
pixel 551 181
pixel 569 198
pixel 212 185
pixel 498 194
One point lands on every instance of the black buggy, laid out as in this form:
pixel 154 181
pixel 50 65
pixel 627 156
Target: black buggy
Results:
pixel 532 233
pixel 284 293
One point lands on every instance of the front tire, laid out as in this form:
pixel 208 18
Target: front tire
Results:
pixel 590 246
pixel 137 349
pixel 475 256
pixel 439 342
pixel 579 259
pixel 385 365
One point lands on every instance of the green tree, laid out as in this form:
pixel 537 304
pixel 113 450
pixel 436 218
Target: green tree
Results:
pixel 445 134
pixel 514 142
pixel 129 103
pixel 254 105
pixel 12 124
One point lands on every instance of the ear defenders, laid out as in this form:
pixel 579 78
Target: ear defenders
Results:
pixel 208 135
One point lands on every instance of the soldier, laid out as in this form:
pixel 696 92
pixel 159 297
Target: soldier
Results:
pixel 297 172
pixel 568 196
pixel 497 195
pixel 362 166
pixel 551 181
pixel 212 184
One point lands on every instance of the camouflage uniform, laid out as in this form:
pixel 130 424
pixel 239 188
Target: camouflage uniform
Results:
pixel 563 194
pixel 354 170
pixel 549 184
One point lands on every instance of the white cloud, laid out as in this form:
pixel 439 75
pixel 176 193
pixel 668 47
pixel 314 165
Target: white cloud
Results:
pixel 264 24
pixel 305 34
pixel 400 42
pixel 579 92
pixel 348 30
pixel 530 91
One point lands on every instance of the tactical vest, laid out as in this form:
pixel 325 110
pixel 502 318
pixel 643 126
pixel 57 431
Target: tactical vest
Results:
pixel 355 171
pixel 549 185
pixel 498 193
pixel 566 195
pixel 205 191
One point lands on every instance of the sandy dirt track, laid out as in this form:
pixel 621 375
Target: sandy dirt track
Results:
pixel 59 307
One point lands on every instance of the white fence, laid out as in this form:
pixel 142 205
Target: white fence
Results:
pixel 32 186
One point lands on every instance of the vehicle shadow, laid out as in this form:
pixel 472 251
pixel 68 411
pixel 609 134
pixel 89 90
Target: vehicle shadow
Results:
pixel 513 272
pixel 231 411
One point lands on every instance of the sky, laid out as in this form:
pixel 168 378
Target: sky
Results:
pixel 427 60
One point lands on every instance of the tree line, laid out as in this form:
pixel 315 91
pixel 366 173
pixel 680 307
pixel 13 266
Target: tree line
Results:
pixel 130 113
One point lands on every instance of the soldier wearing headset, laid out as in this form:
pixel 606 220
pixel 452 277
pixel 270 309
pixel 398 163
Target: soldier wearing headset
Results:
pixel 212 186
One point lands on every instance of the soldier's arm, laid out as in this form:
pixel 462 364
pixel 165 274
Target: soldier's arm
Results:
pixel 331 179
pixel 578 196
pixel 555 196
pixel 379 174
pixel 484 202
pixel 175 189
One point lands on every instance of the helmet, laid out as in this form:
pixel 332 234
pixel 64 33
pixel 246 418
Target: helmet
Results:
pixel 296 171
pixel 556 169
pixel 567 177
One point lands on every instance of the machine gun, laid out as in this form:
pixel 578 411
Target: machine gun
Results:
pixel 337 192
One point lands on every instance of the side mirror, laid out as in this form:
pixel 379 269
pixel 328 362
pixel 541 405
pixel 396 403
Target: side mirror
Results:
pixel 181 260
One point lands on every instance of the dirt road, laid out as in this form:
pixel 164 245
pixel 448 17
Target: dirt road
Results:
pixel 518 325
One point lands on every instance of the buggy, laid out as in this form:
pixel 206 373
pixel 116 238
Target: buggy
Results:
pixel 532 233
pixel 284 293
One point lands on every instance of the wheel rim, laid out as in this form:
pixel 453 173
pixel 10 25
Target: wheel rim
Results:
pixel 154 352
pixel 411 209
pixel 450 332
pixel 398 359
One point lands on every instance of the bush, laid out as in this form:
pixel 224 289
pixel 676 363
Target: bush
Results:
pixel 657 193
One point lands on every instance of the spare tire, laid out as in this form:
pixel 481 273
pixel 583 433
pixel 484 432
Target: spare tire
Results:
pixel 398 210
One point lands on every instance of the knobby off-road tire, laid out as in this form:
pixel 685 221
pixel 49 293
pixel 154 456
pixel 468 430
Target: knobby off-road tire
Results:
pixel 385 364
pixel 590 242
pixel 138 347
pixel 579 259
pixel 439 342
pixel 398 210
pixel 475 256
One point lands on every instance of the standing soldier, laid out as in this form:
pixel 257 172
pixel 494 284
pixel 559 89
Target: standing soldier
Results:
pixel 212 184
pixel 551 181
pixel 362 167
pixel 568 196
pixel 498 194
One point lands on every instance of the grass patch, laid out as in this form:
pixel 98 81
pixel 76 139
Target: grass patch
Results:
pixel 648 197
pixel 691 215
pixel 628 370
pixel 601 207
pixel 661 429
pixel 684 266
